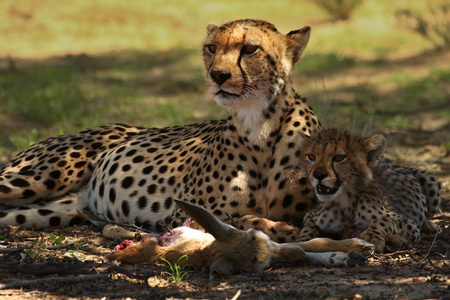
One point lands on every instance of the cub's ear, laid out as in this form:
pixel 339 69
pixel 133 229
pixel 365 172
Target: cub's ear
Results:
pixel 375 146
pixel 297 41
pixel 210 28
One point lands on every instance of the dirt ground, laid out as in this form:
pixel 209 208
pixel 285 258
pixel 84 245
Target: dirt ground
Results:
pixel 77 268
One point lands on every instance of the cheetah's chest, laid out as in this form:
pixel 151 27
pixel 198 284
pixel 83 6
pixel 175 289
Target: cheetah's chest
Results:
pixel 331 218
pixel 246 183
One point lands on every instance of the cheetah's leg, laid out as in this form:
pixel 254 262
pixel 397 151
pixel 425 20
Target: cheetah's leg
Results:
pixel 395 241
pixel 380 228
pixel 309 230
pixel 326 244
pixel 432 191
pixel 60 212
pixel 431 188
pixel 58 165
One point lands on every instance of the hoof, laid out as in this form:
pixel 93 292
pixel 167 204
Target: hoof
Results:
pixel 355 259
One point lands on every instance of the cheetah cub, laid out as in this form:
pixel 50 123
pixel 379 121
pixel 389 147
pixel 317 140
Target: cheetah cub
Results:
pixel 360 191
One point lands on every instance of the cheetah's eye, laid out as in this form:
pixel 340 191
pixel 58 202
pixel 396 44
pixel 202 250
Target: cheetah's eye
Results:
pixel 339 157
pixel 311 157
pixel 211 48
pixel 249 49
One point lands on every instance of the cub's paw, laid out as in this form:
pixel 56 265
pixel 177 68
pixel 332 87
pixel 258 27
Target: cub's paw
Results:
pixel 361 246
pixel 377 242
pixel 395 241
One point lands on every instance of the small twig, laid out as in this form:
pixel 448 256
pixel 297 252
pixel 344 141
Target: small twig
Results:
pixel 52 279
pixel 431 246
pixel 236 296
pixel 20 249
pixel 400 259
pixel 11 250
pixel 103 273
pixel 53 269
pixel 399 289
pixel 116 268
pixel 45 269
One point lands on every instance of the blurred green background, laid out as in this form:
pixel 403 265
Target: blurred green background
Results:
pixel 68 65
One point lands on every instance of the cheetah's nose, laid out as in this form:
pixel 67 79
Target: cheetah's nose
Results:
pixel 320 174
pixel 220 76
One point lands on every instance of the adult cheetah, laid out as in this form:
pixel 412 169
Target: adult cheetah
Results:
pixel 245 165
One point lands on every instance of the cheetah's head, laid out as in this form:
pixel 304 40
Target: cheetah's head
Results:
pixel 248 63
pixel 338 162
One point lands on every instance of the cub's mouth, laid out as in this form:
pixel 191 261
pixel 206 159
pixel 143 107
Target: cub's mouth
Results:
pixel 323 190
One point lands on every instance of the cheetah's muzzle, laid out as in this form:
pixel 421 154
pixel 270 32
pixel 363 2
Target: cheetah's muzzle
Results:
pixel 226 94
pixel 323 190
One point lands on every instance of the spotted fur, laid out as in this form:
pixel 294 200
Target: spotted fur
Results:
pixel 360 190
pixel 246 165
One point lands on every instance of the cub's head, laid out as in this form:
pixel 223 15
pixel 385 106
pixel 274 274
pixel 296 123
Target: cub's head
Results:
pixel 338 162
pixel 248 62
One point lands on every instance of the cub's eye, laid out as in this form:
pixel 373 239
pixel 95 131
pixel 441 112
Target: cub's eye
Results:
pixel 211 49
pixel 249 49
pixel 339 157
pixel 311 157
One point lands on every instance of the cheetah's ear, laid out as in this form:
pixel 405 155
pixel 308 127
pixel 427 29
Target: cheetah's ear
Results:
pixel 210 28
pixel 375 146
pixel 297 41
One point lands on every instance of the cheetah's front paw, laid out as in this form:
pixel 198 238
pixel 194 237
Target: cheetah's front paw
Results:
pixel 395 241
pixel 377 242
pixel 362 246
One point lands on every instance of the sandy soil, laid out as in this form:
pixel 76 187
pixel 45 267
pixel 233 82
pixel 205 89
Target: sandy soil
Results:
pixel 422 272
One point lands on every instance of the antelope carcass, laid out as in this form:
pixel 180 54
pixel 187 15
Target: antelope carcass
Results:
pixel 227 250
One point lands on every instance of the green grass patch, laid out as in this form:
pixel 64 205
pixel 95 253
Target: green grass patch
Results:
pixel 413 94
pixel 66 95
pixel 175 272
pixel 319 63
pixel 367 106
